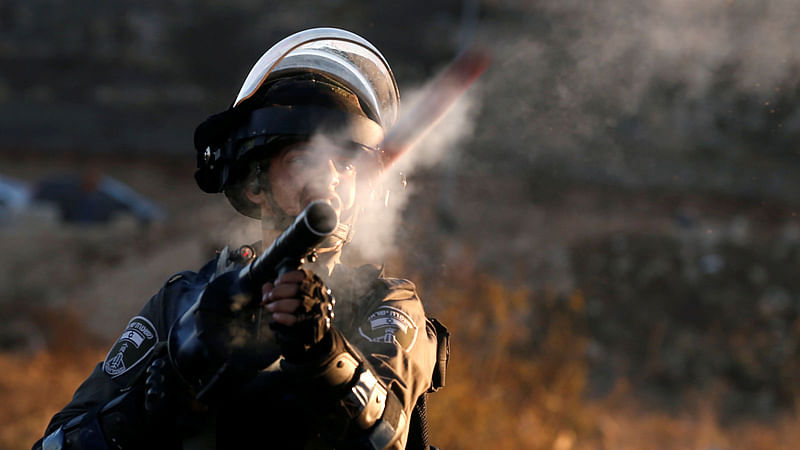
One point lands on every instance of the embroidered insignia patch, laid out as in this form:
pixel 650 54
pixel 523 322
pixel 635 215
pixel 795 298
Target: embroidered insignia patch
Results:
pixel 136 342
pixel 391 326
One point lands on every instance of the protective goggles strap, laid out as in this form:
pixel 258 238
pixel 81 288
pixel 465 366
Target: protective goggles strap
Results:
pixel 307 120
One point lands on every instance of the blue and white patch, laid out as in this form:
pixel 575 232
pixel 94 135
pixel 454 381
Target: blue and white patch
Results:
pixel 390 326
pixel 137 341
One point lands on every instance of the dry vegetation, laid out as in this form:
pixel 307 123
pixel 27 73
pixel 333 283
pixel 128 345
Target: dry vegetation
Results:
pixel 512 385
pixel 34 387
pixel 509 386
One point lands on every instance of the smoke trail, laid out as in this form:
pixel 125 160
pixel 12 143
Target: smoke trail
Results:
pixel 379 219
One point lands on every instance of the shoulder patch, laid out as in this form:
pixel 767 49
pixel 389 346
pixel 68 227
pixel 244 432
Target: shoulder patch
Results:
pixel 390 326
pixel 137 341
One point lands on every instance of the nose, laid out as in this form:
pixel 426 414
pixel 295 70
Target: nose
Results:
pixel 332 174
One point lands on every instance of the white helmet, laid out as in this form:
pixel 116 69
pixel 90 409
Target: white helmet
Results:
pixel 315 80
pixel 311 79
pixel 340 55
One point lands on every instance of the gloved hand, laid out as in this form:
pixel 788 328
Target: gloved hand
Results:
pixel 302 311
pixel 164 394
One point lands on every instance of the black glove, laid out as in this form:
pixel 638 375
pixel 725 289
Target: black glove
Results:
pixel 164 394
pixel 313 314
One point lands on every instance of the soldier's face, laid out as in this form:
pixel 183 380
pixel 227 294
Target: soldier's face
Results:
pixel 308 171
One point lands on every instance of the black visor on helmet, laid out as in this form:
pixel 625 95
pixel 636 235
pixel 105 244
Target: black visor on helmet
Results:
pixel 298 106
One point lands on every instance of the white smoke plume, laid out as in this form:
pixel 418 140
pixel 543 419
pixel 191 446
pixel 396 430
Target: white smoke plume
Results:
pixel 379 220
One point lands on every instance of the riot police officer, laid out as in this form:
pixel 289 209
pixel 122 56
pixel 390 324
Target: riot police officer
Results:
pixel 347 354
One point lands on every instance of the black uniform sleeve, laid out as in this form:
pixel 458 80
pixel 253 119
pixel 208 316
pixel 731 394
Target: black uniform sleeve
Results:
pixel 398 341
pixel 124 367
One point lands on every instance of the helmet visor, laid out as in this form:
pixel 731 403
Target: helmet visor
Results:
pixel 341 55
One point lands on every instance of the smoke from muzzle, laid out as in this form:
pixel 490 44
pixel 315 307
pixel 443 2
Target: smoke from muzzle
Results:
pixel 381 216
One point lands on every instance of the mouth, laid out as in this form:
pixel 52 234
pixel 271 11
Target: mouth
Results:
pixel 329 197
pixel 335 203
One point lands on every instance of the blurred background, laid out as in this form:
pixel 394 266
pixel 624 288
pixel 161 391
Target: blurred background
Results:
pixel 611 234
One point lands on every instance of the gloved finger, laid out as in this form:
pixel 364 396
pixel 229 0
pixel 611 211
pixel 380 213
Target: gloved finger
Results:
pixel 295 276
pixel 282 291
pixel 284 306
pixel 284 318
